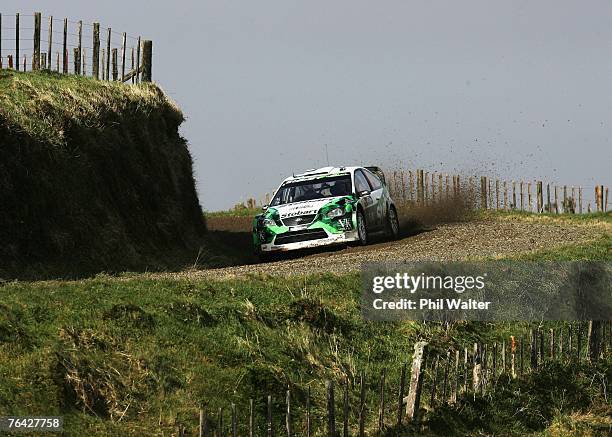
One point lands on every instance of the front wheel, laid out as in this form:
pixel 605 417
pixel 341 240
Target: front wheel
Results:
pixel 392 224
pixel 362 230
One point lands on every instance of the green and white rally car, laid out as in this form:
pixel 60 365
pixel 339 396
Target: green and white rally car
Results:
pixel 331 205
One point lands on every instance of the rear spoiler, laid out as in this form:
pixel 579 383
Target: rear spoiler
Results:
pixel 378 172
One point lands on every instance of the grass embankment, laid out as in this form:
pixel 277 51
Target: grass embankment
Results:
pixel 94 176
pixel 120 356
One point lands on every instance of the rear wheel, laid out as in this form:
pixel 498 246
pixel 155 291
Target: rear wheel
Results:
pixel 362 230
pixel 392 224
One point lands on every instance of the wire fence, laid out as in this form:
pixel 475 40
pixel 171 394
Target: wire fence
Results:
pixel 432 378
pixel 36 42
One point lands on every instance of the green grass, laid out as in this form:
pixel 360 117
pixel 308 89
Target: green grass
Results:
pixel 598 250
pixel 117 355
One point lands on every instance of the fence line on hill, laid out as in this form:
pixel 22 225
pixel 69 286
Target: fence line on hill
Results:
pixel 435 378
pixel 115 56
pixel 421 187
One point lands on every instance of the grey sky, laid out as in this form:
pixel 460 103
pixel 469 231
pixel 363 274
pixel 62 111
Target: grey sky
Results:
pixel 516 89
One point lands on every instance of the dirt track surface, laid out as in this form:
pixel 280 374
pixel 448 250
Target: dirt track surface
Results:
pixel 457 241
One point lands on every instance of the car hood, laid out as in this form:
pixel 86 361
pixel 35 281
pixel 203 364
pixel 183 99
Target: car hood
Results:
pixel 304 208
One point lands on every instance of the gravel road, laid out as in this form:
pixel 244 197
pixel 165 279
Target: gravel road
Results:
pixel 485 238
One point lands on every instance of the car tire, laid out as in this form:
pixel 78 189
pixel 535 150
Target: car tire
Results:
pixel 362 229
pixel 393 229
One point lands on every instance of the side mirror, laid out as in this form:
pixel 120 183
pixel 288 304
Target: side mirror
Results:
pixel 363 193
pixel 265 207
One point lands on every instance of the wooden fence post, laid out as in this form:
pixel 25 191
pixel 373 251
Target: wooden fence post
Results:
pixel 569 341
pixel 331 409
pixel 522 199
pixel 514 195
pixel 103 65
pixel 65 48
pixel 381 402
pixel 345 408
pixel 37 30
pixel 75 60
pixel 410 185
pixel 580 200
pixel 447 186
pixel 269 418
pixel 17 41
pixel 115 71
pixel 147 61
pixel 505 196
pixel 552 343
pixel 593 342
pixel 539 200
pixel 108 53
pixel 84 63
pixel 541 345
pixel 465 370
pixel 288 416
pixel 497 194
pixel 483 192
pixel 202 419
pixel 477 369
pixel 456 388
pixel 234 421
pixel 513 356
pixel 434 381
pixel 579 341
pixel 445 386
pixel 530 208
pixel 556 201
pixel 522 354
pixel 220 423
pixel 251 418
pixel 534 351
pixel 138 48
pixel 362 399
pixel 503 351
pixel 413 399
pixel 123 50
pixel 79 60
pixel 400 401
pixel 494 359
pixel 485 369
pixel 307 413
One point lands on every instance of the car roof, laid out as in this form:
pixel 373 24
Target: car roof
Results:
pixel 321 172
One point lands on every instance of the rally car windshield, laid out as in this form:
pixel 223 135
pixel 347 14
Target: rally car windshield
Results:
pixel 301 191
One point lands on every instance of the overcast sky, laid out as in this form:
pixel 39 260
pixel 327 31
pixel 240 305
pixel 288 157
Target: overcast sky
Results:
pixel 515 89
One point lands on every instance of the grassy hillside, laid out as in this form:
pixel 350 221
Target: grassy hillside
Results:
pixel 93 177
pixel 132 355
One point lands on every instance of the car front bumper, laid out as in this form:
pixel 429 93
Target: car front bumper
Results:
pixel 331 239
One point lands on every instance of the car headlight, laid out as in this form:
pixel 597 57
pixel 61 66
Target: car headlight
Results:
pixel 336 212
pixel 269 222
